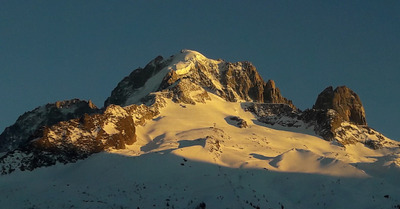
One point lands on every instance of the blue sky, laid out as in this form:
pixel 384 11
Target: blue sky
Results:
pixel 58 50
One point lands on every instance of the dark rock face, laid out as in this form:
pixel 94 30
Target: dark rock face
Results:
pixel 69 141
pixel 345 102
pixel 30 122
pixel 334 107
pixel 130 84
pixel 339 115
pixel 244 80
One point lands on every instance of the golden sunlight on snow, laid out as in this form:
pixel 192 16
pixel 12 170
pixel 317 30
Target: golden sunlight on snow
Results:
pixel 201 132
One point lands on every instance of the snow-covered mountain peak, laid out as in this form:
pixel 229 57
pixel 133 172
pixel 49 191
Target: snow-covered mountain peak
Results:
pixel 186 60
pixel 188 77
pixel 189 55
pixel 193 132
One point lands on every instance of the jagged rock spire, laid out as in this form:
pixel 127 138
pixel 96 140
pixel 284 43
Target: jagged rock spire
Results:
pixel 331 109
pixel 345 102
pixel 272 94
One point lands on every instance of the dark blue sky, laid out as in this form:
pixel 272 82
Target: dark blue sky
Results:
pixel 54 50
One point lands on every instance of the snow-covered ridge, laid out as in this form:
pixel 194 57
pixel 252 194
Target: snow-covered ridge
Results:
pixel 186 60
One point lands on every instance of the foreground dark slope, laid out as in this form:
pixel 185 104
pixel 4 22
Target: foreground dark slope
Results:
pixel 167 181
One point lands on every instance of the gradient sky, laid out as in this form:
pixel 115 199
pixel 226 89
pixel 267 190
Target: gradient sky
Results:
pixel 59 50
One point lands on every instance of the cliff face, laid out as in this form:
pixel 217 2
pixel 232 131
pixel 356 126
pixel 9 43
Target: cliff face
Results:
pixel 243 80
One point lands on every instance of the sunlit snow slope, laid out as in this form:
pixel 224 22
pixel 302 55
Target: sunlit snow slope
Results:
pixel 204 132
pixel 194 156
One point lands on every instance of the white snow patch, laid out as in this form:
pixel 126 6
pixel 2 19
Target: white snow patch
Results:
pixel 110 129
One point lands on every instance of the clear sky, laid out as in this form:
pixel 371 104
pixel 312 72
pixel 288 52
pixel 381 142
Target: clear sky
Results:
pixel 59 50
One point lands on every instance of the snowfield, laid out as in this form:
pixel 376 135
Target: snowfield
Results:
pixel 194 156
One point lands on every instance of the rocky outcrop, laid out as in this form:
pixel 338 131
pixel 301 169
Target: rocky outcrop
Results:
pixel 69 141
pixel 332 108
pixel 87 133
pixel 29 123
pixel 236 121
pixel 338 115
pixel 141 113
pixel 349 133
pixel 273 95
pixel 185 91
pixel 275 114
pixel 241 81
pixel 345 102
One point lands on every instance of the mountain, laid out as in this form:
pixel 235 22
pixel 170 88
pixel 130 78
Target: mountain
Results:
pixel 192 132
pixel 189 77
